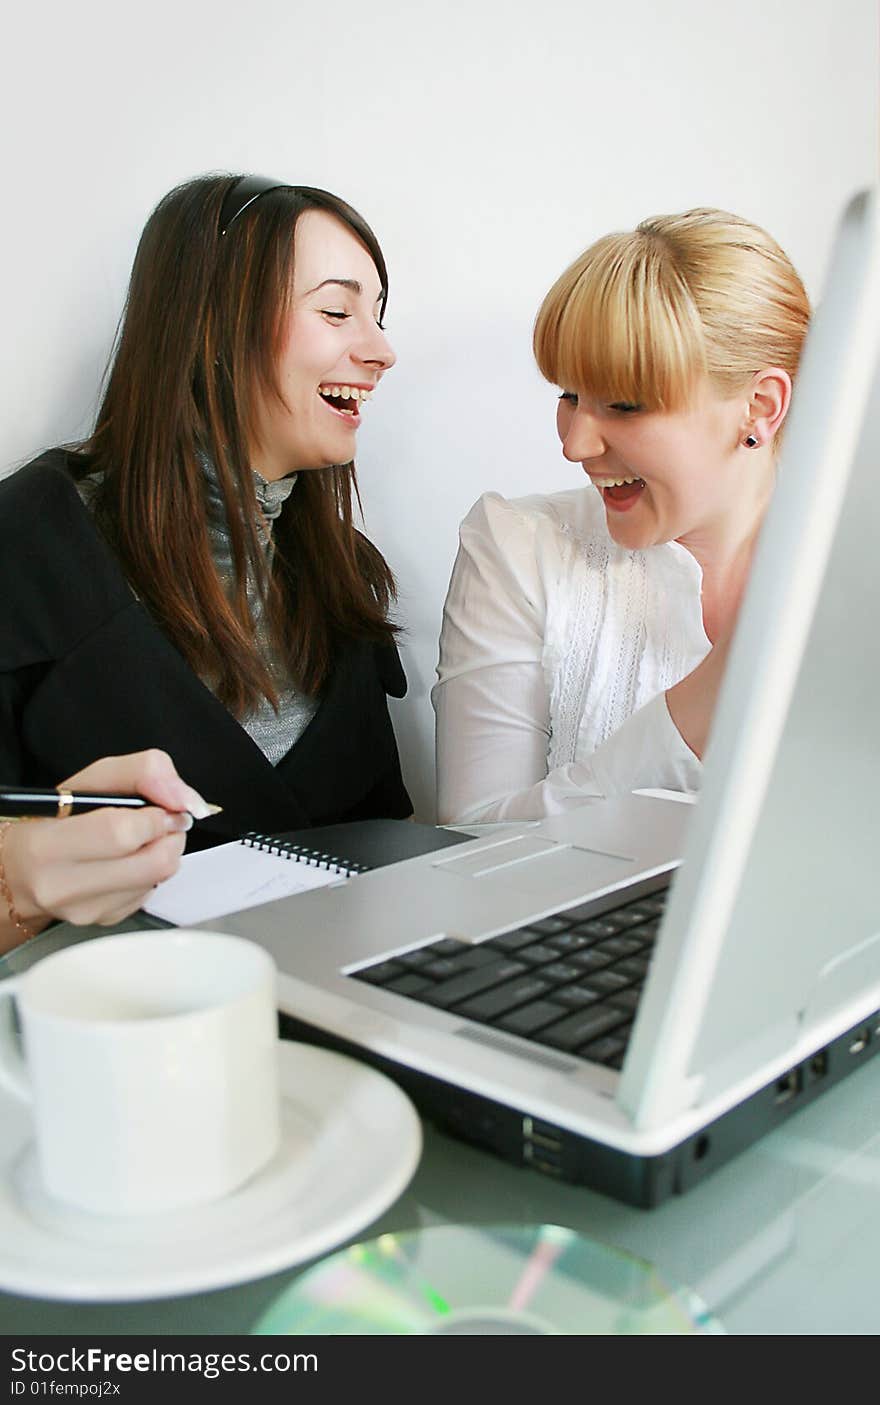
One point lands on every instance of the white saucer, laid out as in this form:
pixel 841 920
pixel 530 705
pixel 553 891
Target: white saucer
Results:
pixel 351 1141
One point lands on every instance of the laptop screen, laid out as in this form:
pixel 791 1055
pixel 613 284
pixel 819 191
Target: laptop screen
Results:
pixel 774 915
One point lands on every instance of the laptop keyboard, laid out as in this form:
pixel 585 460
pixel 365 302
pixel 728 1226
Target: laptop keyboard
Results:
pixel 570 982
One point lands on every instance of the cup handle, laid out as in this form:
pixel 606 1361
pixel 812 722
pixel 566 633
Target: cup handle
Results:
pixel 13 1074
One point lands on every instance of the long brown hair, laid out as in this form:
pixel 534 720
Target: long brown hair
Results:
pixel 197 346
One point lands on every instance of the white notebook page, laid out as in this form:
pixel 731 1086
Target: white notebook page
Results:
pixel 230 877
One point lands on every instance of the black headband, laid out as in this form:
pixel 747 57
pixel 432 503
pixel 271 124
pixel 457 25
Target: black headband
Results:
pixel 244 193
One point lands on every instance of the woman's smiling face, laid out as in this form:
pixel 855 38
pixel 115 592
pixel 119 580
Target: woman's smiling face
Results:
pixel 333 352
pixel 678 472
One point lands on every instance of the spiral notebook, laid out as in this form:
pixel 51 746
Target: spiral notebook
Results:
pixel 258 868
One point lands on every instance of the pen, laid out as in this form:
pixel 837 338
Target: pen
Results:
pixel 20 802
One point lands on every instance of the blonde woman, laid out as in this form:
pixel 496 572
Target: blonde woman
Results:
pixel 585 633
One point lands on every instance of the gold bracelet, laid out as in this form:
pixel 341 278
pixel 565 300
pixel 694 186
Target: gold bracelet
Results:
pixel 6 892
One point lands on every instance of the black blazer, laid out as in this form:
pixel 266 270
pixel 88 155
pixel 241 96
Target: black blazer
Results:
pixel 86 672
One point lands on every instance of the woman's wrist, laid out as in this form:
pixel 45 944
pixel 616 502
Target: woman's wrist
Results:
pixel 19 913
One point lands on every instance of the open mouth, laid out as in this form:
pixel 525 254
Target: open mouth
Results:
pixel 620 493
pixel 344 399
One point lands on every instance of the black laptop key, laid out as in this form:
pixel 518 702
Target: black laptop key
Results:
pixel 503 998
pixel 510 941
pixel 564 942
pixel 479 954
pixel 635 913
pixel 655 904
pixel 537 954
pixel 413 960
pixel 410 984
pixel 459 988
pixel 620 946
pixel 598 927
pixel 575 997
pixel 548 925
pixel 634 966
pixel 581 913
pixel 529 1018
pixel 627 999
pixel 591 960
pixel 447 946
pixel 622 1033
pixel 442 967
pixel 604 1050
pixel 582 1027
pixel 466 960
pixel 560 971
pixel 646 931
pixel 608 982
pixel 631 916
pixel 379 974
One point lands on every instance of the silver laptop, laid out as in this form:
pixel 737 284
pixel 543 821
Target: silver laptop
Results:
pixel 627 995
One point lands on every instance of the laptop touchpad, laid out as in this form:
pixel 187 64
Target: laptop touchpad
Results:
pixel 528 864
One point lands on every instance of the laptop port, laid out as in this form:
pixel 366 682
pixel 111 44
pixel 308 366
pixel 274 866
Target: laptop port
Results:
pixel 547 1143
pixel 860 1040
pixel 788 1086
pixel 817 1066
pixel 542 1146
pixel 542 1134
pixel 542 1160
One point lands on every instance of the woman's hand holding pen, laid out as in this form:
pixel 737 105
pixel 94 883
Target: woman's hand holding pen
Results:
pixel 97 868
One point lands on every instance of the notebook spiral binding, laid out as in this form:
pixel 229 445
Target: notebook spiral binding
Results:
pixel 303 853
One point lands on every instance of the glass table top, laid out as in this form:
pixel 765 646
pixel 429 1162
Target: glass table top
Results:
pixel 782 1240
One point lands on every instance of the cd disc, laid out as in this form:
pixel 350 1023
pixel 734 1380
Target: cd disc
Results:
pixel 484 1280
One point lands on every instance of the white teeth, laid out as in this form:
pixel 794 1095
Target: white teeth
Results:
pixel 615 482
pixel 345 392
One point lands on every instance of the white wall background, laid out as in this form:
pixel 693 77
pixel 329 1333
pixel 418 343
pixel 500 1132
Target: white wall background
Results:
pixel 486 142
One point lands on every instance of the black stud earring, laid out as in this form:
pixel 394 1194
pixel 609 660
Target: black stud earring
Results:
pixel 750 442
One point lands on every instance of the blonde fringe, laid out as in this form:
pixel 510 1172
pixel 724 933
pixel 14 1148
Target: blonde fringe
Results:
pixel 642 317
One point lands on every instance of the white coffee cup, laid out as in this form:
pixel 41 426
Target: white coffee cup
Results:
pixel 151 1063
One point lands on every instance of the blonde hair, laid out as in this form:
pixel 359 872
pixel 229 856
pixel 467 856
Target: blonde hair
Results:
pixel 640 317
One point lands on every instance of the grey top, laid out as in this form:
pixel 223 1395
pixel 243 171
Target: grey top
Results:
pixel 274 733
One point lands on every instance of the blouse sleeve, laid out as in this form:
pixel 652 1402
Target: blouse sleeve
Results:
pixel 492 701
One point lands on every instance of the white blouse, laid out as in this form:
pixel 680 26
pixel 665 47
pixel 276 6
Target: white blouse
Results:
pixel 556 650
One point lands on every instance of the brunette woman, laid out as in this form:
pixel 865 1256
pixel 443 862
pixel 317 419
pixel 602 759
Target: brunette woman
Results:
pixel 190 578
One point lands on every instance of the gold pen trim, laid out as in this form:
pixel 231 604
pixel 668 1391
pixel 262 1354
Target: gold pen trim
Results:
pixel 65 804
